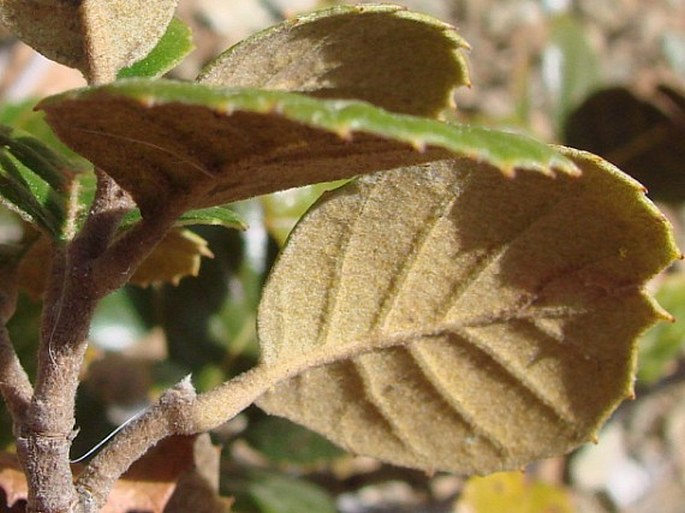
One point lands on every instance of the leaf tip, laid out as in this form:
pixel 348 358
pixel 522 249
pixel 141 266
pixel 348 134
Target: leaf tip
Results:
pixel 419 145
pixel 663 315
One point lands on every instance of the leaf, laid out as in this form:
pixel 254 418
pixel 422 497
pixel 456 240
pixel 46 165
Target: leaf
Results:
pixel 146 486
pixel 284 442
pixel 268 492
pixel 99 38
pixel 216 331
pixel 213 216
pixel 382 54
pixel 24 192
pixel 12 480
pixel 509 491
pixel 22 116
pixel 452 318
pixel 51 27
pixel 35 180
pixel 646 141
pixel 150 482
pixel 37 156
pixel 33 271
pixel 178 255
pixel 283 209
pixel 206 146
pixel 174 45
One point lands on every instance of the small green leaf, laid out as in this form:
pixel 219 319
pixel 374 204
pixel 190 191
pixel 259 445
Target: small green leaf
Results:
pixel 166 141
pixel 37 156
pixel 30 197
pixel 409 296
pixel 212 216
pixel 396 59
pixel 175 44
pixel 268 492
pixel 216 216
pixel 22 116
pixel 284 442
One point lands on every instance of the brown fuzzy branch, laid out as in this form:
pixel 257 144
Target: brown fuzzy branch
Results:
pixel 170 415
pixel 15 386
pixel 178 412
pixel 118 263
pixel 72 293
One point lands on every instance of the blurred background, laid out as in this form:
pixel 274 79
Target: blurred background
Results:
pixel 602 75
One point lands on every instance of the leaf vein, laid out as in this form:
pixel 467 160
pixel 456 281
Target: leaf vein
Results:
pixel 520 378
pixel 419 243
pixel 372 398
pixel 448 397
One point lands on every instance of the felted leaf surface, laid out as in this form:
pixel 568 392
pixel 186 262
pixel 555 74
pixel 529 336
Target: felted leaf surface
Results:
pixel 399 60
pixel 463 320
pixel 208 146
pixel 53 28
pixel 97 37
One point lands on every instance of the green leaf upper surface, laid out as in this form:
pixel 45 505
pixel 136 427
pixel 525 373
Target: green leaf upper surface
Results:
pixel 216 216
pixel 175 44
pixel 28 196
pixel 167 141
pixel 399 60
pixel 445 317
pixel 34 180
pixel 97 37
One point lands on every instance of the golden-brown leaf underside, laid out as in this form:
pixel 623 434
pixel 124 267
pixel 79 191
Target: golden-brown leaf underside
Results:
pixel 97 37
pixel 197 145
pixel 177 255
pixel 465 321
pixel 399 60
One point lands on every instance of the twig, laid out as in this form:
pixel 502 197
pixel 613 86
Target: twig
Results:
pixel 166 417
pixel 15 386
pixel 71 296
